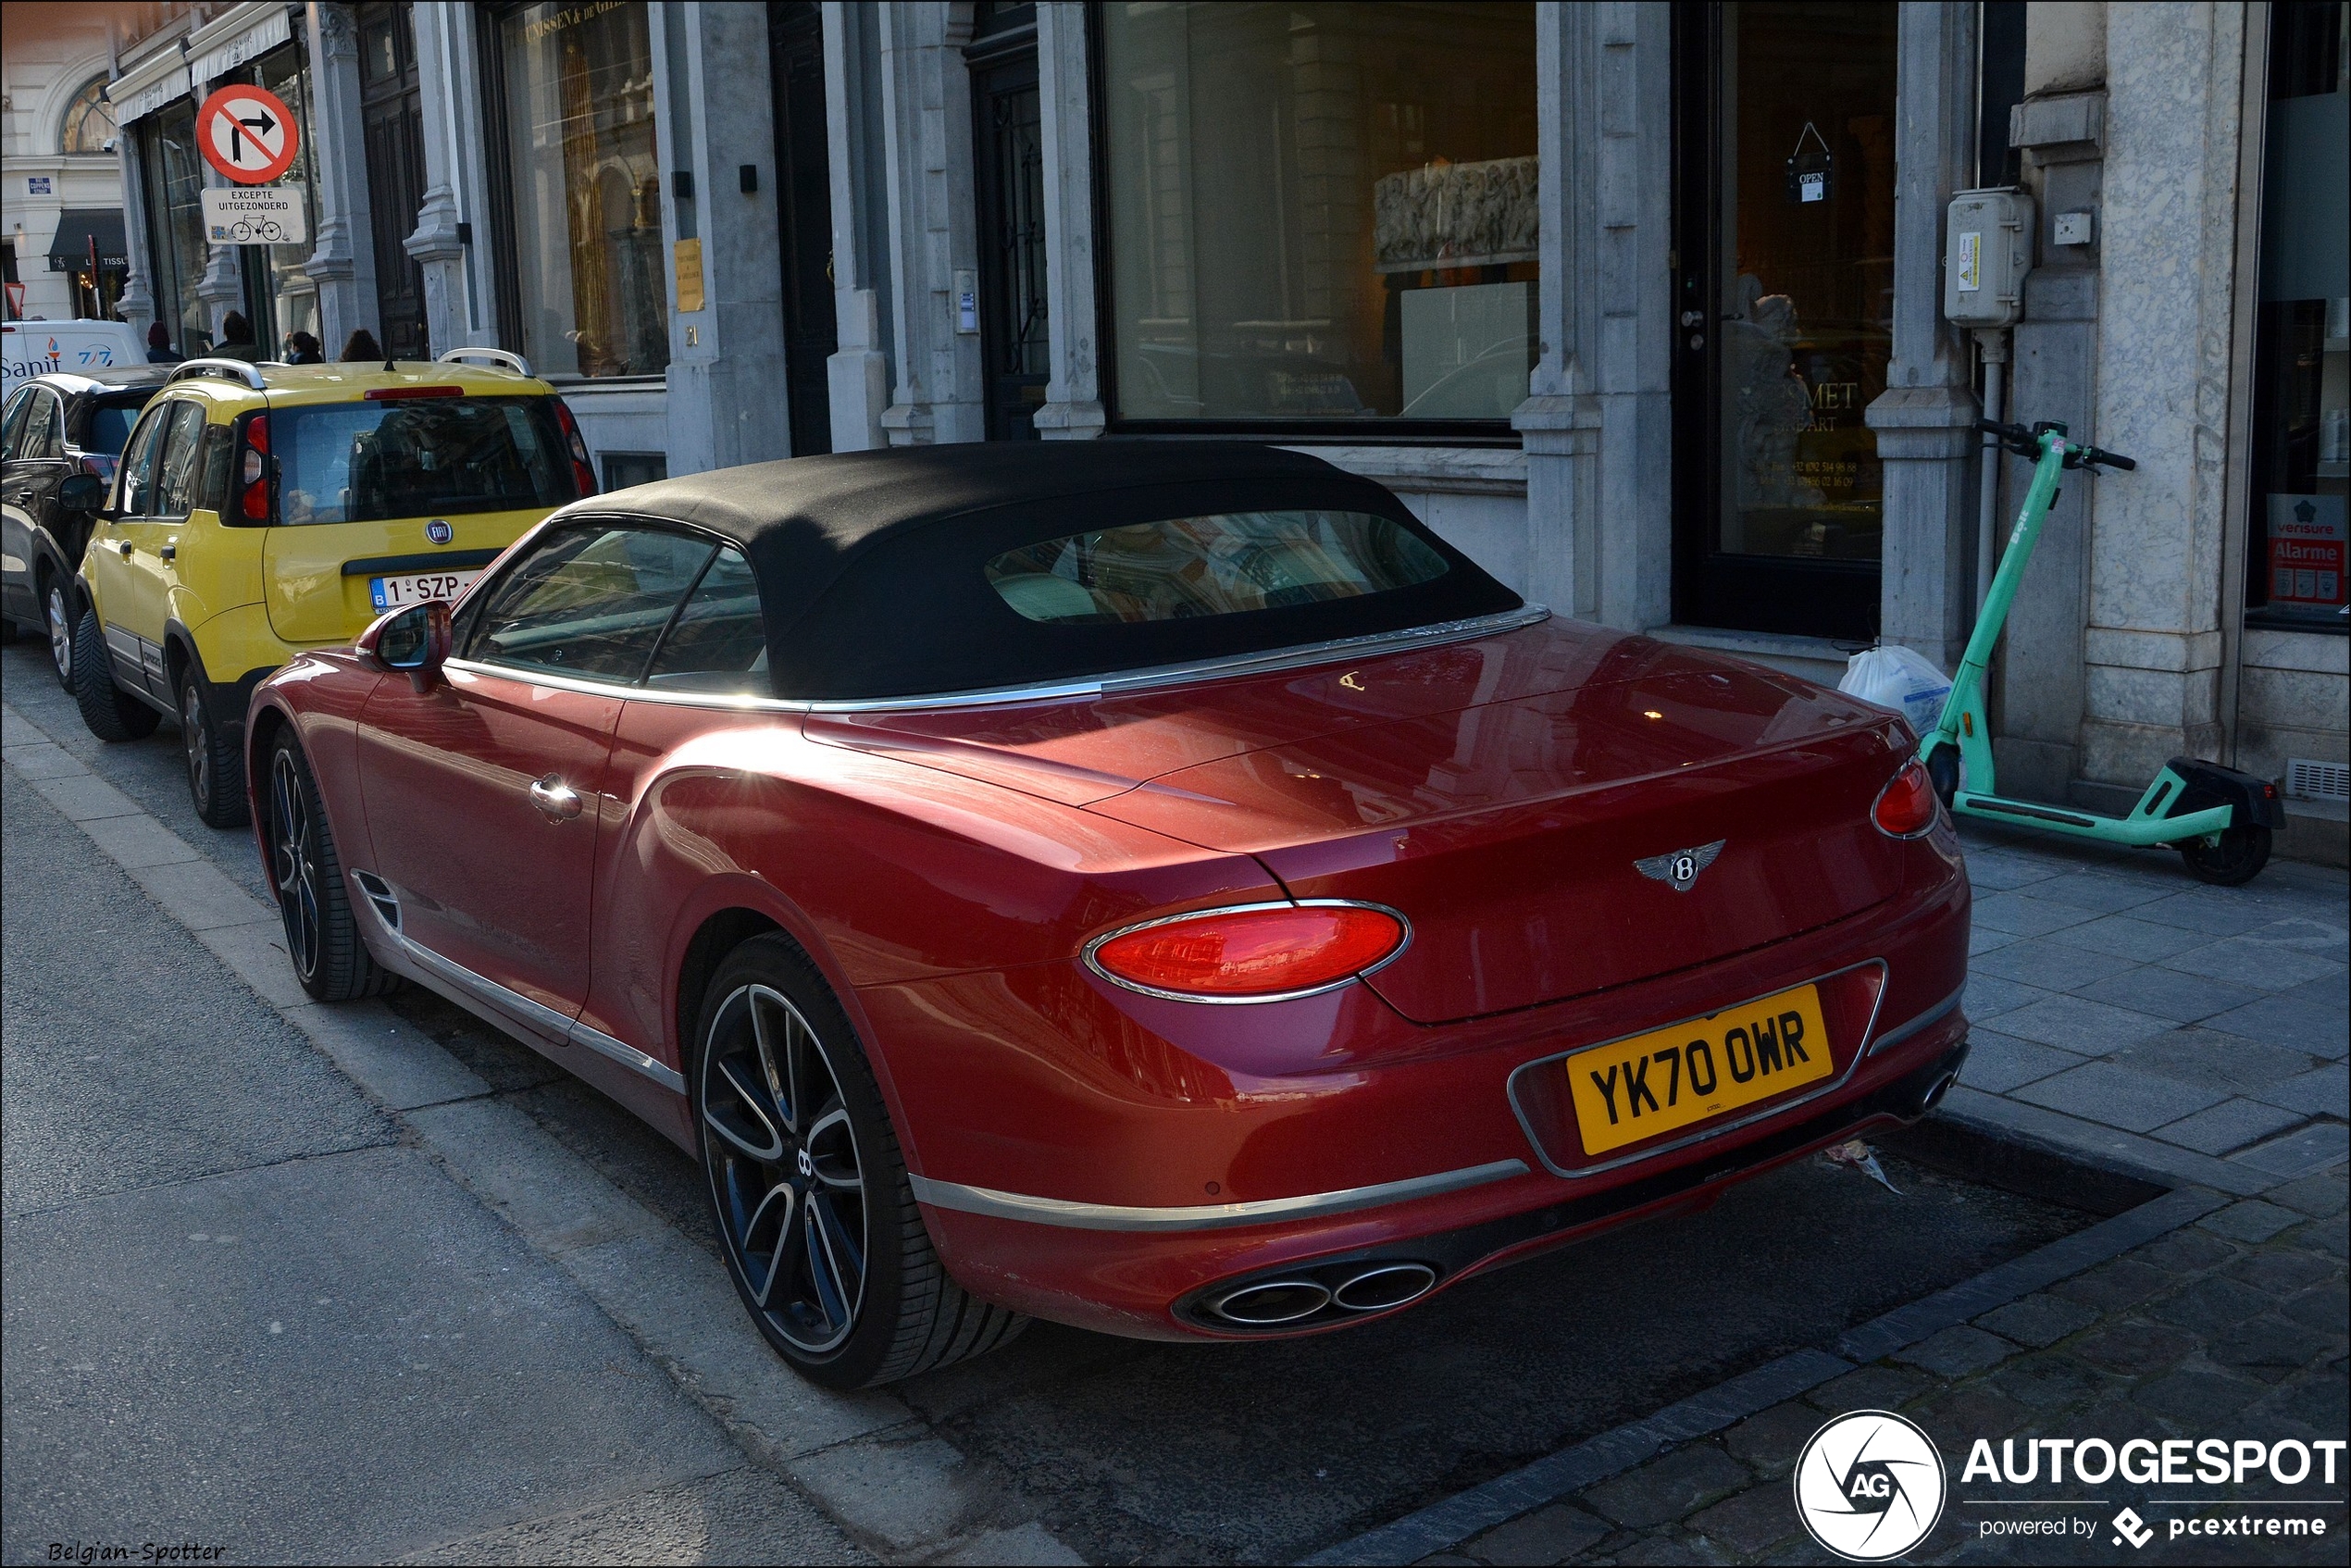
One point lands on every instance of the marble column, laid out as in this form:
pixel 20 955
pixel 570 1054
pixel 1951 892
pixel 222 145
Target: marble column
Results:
pixel 1560 422
pixel 2153 647
pixel 438 243
pixel 857 376
pixel 342 262
pixel 1073 406
pixel 926 127
pixel 137 304
pixel 1925 419
pixel 726 359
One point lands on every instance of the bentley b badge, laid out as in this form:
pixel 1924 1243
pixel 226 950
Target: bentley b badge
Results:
pixel 1680 869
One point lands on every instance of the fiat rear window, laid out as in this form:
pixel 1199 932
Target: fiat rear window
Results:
pixel 1226 564
pixel 358 462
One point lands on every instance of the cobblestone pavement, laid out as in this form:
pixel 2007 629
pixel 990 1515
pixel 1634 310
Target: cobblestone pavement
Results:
pixel 2123 1010
pixel 2234 1326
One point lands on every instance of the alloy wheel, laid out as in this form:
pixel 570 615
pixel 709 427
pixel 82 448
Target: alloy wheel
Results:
pixel 293 862
pixel 198 743
pixel 60 634
pixel 784 1167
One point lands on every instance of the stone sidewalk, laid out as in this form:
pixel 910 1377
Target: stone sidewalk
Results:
pixel 2125 1012
pixel 2235 1326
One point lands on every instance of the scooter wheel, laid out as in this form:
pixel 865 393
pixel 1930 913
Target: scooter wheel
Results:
pixel 1942 772
pixel 2237 858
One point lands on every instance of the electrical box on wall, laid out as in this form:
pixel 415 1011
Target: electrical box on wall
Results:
pixel 1988 249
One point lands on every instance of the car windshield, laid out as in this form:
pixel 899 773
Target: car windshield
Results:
pixel 1223 565
pixel 352 462
pixel 110 425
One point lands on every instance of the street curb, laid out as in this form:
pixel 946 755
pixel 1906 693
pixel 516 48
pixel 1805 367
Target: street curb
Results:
pixel 1447 1524
pixel 673 1300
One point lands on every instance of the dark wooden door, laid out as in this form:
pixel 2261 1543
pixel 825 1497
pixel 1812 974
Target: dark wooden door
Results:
pixel 1783 244
pixel 1008 150
pixel 392 117
pixel 805 213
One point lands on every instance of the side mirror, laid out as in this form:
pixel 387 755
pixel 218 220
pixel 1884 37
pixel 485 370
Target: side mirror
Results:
pixel 413 642
pixel 83 492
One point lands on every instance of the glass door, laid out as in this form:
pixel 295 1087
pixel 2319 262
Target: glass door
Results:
pixel 1784 253
pixel 1008 154
pixel 805 210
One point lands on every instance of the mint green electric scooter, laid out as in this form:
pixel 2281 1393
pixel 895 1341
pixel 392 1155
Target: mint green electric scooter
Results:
pixel 2219 819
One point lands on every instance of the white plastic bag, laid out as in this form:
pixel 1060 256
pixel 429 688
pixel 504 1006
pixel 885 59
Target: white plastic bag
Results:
pixel 1901 678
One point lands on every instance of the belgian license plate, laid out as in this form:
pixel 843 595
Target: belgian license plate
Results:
pixel 1676 1077
pixel 399 592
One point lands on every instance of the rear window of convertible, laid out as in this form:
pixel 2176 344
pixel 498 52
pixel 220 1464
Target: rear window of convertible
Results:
pixel 359 462
pixel 1228 563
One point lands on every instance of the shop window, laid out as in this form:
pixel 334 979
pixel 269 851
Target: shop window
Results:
pixel 2301 457
pixel 584 225
pixel 173 174
pixel 89 125
pixel 1320 214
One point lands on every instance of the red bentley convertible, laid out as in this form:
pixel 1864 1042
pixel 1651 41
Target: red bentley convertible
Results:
pixel 1159 887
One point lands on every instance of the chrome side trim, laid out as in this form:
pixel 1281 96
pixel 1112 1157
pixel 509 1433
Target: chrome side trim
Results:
pixel 1201 1216
pixel 1395 915
pixel 628 1056
pixel 489 993
pixel 1707 1129
pixel 1378 644
pixel 1934 1015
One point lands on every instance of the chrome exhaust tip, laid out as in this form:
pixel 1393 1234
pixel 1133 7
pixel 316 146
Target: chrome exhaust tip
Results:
pixel 1933 1096
pixel 1390 1285
pixel 1271 1301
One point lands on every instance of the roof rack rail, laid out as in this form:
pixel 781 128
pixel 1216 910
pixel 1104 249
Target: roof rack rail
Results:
pixel 504 356
pixel 236 370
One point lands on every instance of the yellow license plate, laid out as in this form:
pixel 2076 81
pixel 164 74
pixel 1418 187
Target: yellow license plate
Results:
pixel 1675 1077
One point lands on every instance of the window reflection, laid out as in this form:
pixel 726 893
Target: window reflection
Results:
pixel 1320 211
pixel 587 189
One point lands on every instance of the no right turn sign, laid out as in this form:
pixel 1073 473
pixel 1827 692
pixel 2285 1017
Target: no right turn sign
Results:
pixel 248 134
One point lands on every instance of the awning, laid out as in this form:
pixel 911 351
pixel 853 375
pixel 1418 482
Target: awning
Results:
pixel 76 226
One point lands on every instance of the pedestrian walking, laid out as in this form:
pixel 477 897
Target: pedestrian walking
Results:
pixel 160 346
pixel 303 349
pixel 361 345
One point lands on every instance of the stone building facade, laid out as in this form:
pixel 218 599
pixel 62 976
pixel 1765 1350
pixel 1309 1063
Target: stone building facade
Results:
pixel 1640 304
pixel 60 183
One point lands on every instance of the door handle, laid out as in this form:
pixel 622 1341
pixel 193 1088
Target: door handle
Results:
pixel 557 800
pixel 171 551
pixel 125 548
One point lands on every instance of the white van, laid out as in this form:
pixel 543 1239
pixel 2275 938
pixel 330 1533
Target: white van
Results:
pixel 35 348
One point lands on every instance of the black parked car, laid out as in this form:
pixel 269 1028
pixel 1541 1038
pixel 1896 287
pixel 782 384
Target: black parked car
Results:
pixel 57 426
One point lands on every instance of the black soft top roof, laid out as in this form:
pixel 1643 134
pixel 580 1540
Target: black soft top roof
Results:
pixel 871 565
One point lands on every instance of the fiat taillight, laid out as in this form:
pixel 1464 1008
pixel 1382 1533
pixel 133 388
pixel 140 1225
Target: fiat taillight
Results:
pixel 1906 806
pixel 583 476
pixel 253 469
pixel 1255 954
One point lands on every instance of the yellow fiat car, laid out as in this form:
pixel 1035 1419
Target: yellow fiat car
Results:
pixel 262 510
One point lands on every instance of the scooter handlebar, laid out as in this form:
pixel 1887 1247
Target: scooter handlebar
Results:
pixel 2026 442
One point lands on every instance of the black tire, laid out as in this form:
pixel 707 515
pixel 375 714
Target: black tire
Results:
pixel 216 766
pixel 2236 859
pixel 7 630
pixel 849 1210
pixel 306 873
pixel 111 713
pixel 57 615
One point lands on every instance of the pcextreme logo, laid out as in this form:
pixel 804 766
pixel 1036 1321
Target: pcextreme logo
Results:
pixel 1870 1485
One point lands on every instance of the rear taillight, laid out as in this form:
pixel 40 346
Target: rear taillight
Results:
pixel 583 477
pixel 1906 806
pixel 253 470
pixel 1262 953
